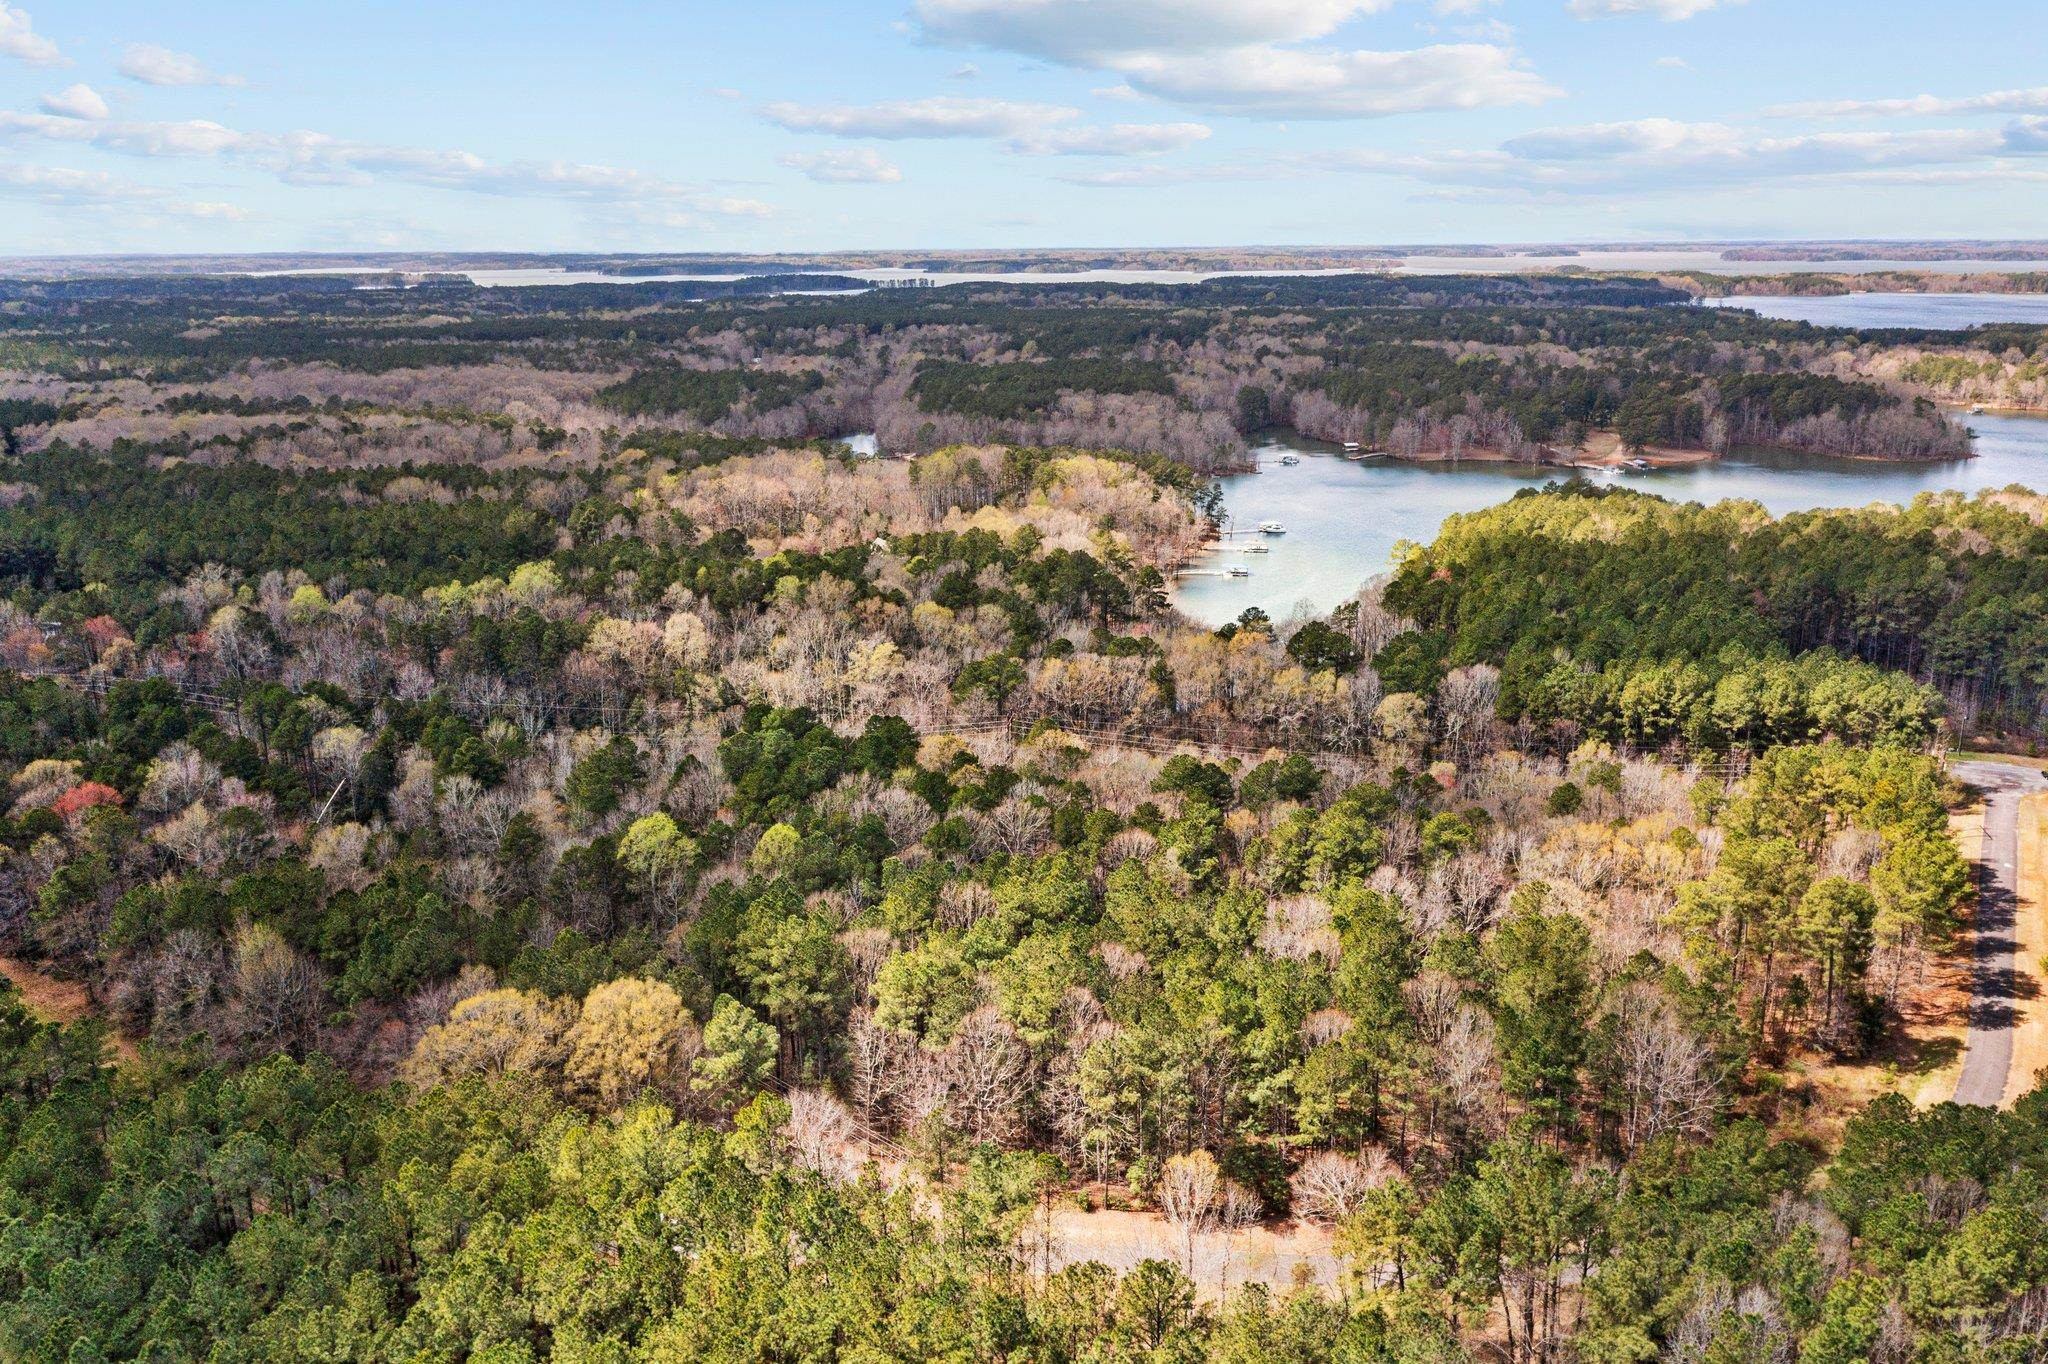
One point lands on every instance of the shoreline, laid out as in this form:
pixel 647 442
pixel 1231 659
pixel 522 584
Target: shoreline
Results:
pixel 1991 409
pixel 1604 454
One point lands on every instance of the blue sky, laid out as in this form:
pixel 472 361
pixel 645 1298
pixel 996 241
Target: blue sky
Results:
pixel 787 125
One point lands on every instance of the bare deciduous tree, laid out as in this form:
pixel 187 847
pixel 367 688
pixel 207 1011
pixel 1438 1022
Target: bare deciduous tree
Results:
pixel 1667 1077
pixel 1190 1193
pixel 1329 1185
pixel 986 1071
pixel 822 1135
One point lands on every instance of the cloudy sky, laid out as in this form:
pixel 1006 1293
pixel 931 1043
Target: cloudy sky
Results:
pixel 787 125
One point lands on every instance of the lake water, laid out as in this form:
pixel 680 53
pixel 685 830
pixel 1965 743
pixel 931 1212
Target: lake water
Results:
pixel 1344 517
pixel 1709 261
pixel 1948 312
pixel 510 278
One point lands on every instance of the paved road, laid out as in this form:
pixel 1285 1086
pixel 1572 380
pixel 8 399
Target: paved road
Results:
pixel 1994 975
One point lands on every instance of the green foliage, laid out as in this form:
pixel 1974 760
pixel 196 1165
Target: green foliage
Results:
pixel 707 395
pixel 1292 778
pixel 1335 973
pixel 1318 648
pixel 739 1053
pixel 600 778
pixel 887 744
pixel 1195 779
pixel 1652 622
pixel 132 526
pixel 797 973
pixel 391 939
pixel 925 992
pixel 1540 970
pixel 779 760
pixel 1342 843
pixel 1022 389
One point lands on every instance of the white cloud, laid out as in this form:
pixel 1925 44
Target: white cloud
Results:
pixel 696 213
pixel 852 166
pixel 2032 101
pixel 77 101
pixel 1496 30
pixel 938 116
pixel 2026 136
pixel 1670 11
pixel 1647 156
pixel 1032 129
pixel 1287 83
pixel 310 158
pixel 67 188
pixel 19 40
pixel 1096 32
pixel 1118 139
pixel 966 71
pixel 1996 174
pixel 1674 63
pixel 195 137
pixel 153 65
pixel 1655 153
pixel 1156 176
pixel 75 190
pixel 212 212
pixel 1244 57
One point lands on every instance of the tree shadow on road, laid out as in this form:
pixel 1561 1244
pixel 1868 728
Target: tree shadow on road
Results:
pixel 1997 981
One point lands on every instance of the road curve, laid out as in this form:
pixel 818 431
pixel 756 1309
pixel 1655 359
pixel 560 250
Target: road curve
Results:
pixel 1994 979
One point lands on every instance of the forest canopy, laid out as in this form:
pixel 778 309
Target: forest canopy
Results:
pixel 520 844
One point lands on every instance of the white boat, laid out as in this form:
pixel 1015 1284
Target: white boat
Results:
pixel 1256 549
pixel 1350 445
pixel 1977 411
pixel 1238 571
pixel 1271 528
pixel 1290 459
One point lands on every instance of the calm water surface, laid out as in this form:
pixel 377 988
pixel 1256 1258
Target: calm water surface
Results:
pixel 1344 518
pixel 542 275
pixel 1709 261
pixel 1949 312
pixel 1706 261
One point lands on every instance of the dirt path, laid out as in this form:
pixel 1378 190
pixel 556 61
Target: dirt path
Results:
pixel 2030 1035
pixel 1280 1255
pixel 58 1001
pixel 1998 979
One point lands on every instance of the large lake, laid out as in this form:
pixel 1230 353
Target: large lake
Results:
pixel 1948 312
pixel 1344 517
pixel 538 275
pixel 1707 261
